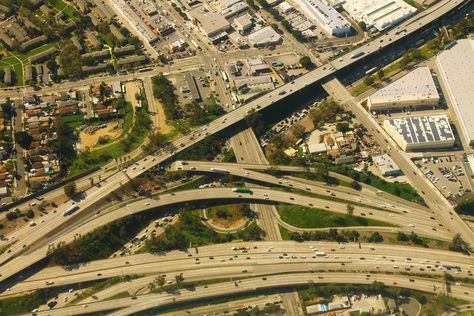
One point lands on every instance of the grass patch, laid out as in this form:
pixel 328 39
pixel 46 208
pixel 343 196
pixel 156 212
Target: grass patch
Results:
pixel 227 215
pixel 123 294
pixel 101 285
pixel 74 121
pixel 285 234
pixel 304 217
pixel 24 304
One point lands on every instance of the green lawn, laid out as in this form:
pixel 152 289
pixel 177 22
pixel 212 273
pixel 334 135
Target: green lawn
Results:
pixel 304 217
pixel 74 121
pixel 60 5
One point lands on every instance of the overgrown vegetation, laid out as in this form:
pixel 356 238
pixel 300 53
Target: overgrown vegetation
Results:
pixel 191 232
pixel 98 244
pixel 466 206
pixel 24 304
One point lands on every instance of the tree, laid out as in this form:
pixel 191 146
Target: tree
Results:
pixel 401 236
pixel 70 189
pixel 23 139
pixel 362 25
pixel 375 237
pixel 350 209
pixel 70 60
pixel 179 278
pixel 8 110
pixel 343 127
pixel 380 74
pixel 30 213
pixel 306 62
pixel 160 280
pixel 356 185
pixel 298 130
pixel 369 80
pixel 458 244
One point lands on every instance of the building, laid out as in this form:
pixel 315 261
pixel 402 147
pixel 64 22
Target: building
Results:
pixel 116 32
pixel 416 88
pixel 32 43
pixel 131 60
pixel 264 37
pixel 210 23
pixel 285 7
pixel 230 8
pixel 386 165
pixel 7 76
pixel 379 14
pixel 243 23
pixel 456 74
pixel 331 21
pixel 421 132
pixel 193 87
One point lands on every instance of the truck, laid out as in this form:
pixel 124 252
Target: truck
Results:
pixel 320 254
pixel 220 170
pixel 371 71
pixel 242 190
pixel 224 76
pixel 71 210
pixel 357 54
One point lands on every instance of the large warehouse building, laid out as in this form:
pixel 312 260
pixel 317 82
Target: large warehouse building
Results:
pixel 331 21
pixel 457 74
pixel 379 14
pixel 421 132
pixel 416 88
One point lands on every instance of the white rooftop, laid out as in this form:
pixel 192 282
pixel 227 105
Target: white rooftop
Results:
pixel 414 86
pixel 380 14
pixel 264 36
pixel 325 15
pixel 456 65
pixel 423 129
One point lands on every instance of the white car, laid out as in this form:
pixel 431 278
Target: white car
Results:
pixel 147 203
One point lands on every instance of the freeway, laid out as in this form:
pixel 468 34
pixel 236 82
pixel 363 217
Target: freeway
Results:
pixel 415 222
pixel 434 199
pixel 368 196
pixel 110 184
pixel 252 285
pixel 260 258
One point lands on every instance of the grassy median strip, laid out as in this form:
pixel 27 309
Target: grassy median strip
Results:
pixel 304 217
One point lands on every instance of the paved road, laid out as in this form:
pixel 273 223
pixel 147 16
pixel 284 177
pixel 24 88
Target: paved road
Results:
pixel 95 194
pixel 253 285
pixel 218 261
pixel 433 198
pixel 368 196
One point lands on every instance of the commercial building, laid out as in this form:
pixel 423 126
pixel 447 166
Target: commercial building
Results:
pixel 421 132
pixel 243 23
pixel 264 37
pixel 457 74
pixel 230 8
pixel 379 14
pixel 416 88
pixel 210 23
pixel 331 21
pixel 386 165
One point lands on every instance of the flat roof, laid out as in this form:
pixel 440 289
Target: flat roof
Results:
pixel 423 129
pixel 211 22
pixel 456 65
pixel 263 36
pixel 380 14
pixel 324 14
pixel 385 163
pixel 415 86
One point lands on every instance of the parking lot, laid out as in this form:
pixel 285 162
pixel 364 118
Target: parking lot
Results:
pixel 183 91
pixel 448 174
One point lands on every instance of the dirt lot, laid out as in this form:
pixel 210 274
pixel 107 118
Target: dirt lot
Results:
pixel 165 128
pixel 90 140
pixel 233 220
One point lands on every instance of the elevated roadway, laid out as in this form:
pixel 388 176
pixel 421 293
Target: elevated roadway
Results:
pixel 113 182
pixel 127 306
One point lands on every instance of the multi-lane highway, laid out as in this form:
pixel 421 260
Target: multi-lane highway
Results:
pixel 259 258
pixel 113 182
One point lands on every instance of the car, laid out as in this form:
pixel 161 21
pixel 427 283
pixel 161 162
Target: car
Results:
pixel 147 203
